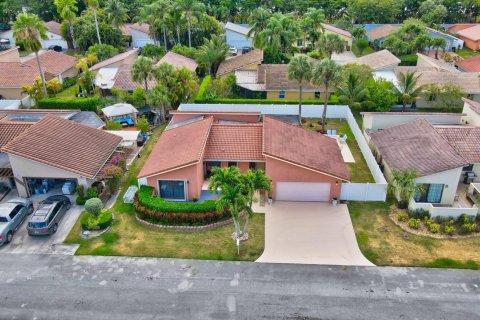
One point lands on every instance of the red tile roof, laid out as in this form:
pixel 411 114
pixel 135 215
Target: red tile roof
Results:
pixel 178 147
pixel 472 33
pixel 53 62
pixel 10 130
pixel 124 81
pixel 115 59
pixel 66 145
pixel 464 139
pixel 54 27
pixel 416 146
pixel 469 65
pixel 334 29
pixel 178 61
pixel 304 148
pixel 235 142
pixel 16 74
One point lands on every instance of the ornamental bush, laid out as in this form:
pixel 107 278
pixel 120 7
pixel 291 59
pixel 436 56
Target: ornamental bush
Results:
pixel 93 222
pixel 414 223
pixel 434 227
pixel 449 229
pixel 402 217
pixel 93 206
pixel 91 193
pixel 469 227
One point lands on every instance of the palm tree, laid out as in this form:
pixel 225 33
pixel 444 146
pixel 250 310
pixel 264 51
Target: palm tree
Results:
pixel 94 5
pixel 163 7
pixel 278 35
pixel 212 52
pixel 143 70
pixel 438 43
pixel 149 15
pixel 313 19
pixel 330 43
pixel 358 32
pixel 159 97
pixel 421 42
pixel 405 186
pixel 85 78
pixel 407 89
pixel 190 7
pixel 300 69
pixel 328 73
pixel 259 19
pixel 117 13
pixel 352 89
pixel 29 29
pixel 67 10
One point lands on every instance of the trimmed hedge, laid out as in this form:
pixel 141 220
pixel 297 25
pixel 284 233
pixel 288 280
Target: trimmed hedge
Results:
pixel 408 60
pixel 150 207
pixel 89 221
pixel 83 104
pixel 203 87
pixel 333 100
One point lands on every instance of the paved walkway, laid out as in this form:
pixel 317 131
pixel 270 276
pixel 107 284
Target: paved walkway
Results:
pixel 310 233
pixel 344 57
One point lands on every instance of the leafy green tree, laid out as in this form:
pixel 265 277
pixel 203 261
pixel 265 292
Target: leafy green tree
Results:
pixel 112 125
pixel 330 43
pixel 300 70
pixel 352 90
pixel 407 89
pixel 374 11
pixel 421 42
pixel 361 44
pixel 102 51
pixel 86 32
pixel 395 45
pixel 328 73
pixel 404 186
pixel 448 95
pixel 212 53
pixel 149 14
pixel 359 32
pixel 117 12
pixel 381 94
pixel 67 9
pixel 254 181
pixel 363 71
pixel 159 98
pixel 29 29
pixel 438 43
pixel 143 125
pixel 259 20
pixel 94 6
pixel 432 12
pixel 191 8
pixel 153 51
pixel 312 24
pixel 143 70
pixel 278 35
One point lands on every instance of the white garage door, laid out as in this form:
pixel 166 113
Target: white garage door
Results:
pixel 302 191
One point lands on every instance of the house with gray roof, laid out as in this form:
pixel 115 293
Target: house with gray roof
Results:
pixel 236 35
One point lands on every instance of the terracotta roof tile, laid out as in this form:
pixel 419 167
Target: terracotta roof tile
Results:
pixel 381 32
pixel 379 60
pixel 16 75
pixel 235 142
pixel 178 61
pixel 178 147
pixel 65 144
pixel 53 62
pixel 54 27
pixel 464 139
pixel 230 65
pixel 303 147
pixel 115 59
pixel 334 29
pixel 472 33
pixel 123 79
pixel 469 65
pixel 275 77
pixel 418 146
pixel 10 130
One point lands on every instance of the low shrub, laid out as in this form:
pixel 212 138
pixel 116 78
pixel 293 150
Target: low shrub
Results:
pixel 93 206
pixel 333 100
pixel 402 217
pixel 92 193
pixel 464 219
pixel 414 223
pixel 469 227
pixel 83 104
pixel 80 201
pixel 419 214
pixel 449 229
pixel 67 83
pixel 90 221
pixel 434 227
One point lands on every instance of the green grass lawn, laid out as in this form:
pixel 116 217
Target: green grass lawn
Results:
pixel 359 170
pixel 24 53
pixel 68 93
pixel 384 243
pixel 127 237
pixel 366 51
pixel 466 53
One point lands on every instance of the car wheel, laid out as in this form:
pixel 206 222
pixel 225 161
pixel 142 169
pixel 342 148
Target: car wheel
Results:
pixel 69 205
pixel 30 210
pixel 9 236
pixel 55 227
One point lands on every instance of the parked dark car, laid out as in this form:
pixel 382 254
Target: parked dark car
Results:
pixel 45 219
pixel 142 137
pixel 55 48
pixel 246 49
pixel 12 214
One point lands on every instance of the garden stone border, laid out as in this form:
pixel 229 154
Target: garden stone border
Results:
pixel 185 228
pixel 94 233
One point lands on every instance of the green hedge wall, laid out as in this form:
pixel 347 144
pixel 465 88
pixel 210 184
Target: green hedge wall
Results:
pixel 83 104
pixel 333 100
pixel 203 87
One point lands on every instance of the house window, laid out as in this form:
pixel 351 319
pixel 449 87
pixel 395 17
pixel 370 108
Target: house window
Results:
pixel 281 94
pixel 299 43
pixel 317 94
pixel 431 193
pixel 468 168
pixel 172 189
pixel 232 164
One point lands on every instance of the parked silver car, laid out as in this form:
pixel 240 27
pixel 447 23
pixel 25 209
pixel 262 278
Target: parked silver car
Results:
pixel 46 218
pixel 12 214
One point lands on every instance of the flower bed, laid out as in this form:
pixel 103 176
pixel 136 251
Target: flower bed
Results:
pixel 156 210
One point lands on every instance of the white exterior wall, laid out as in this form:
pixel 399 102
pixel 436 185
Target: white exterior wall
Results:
pixel 449 178
pixel 25 168
pixel 140 39
pixel 471 117
pixel 476 169
pixel 8 35
pixel 54 40
pixel 383 121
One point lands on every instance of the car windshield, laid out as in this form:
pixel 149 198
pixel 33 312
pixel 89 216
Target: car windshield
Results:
pixel 3 219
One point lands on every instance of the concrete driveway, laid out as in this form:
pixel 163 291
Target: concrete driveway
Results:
pixel 310 233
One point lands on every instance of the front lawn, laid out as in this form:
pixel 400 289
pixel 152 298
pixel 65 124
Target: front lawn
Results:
pixel 384 243
pixel 466 53
pixel 359 170
pixel 367 50
pixel 127 237
pixel 69 92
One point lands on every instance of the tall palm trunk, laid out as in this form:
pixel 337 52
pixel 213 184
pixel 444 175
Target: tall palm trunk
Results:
pixel 178 35
pixel 164 37
pixel 189 29
pixel 72 34
pixel 42 75
pixel 146 84
pixel 404 105
pixel 96 26
pixel 300 97
pixel 325 106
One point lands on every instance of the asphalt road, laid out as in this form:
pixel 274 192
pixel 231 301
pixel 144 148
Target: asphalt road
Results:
pixel 69 287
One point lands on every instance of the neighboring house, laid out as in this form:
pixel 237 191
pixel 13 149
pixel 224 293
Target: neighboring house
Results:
pixel 178 61
pixel 469 65
pixel 471 36
pixel 15 75
pixel 56 150
pixel 379 33
pixel 123 80
pixel 373 121
pixel 303 165
pixel 54 36
pixel 244 62
pixel 107 70
pixel 382 62
pixel 471 112
pixel 454 28
pixel 127 57
pixel 328 28
pixel 57 64
pixel 424 61
pixel 272 81
pixel 86 118
pixel 453 43
pixel 139 33
pixel 236 35
pixel 10 55
pixel 120 110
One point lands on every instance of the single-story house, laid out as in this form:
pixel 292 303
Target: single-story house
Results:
pixel 178 61
pixel 329 29
pixel 86 118
pixel 54 36
pixel 469 65
pixel 120 110
pixel 382 120
pixel 454 28
pixel 303 165
pixel 236 35
pixel 471 112
pixel 424 61
pixel 15 75
pixel 382 63
pixel 127 57
pixel 56 150
pixel 379 33
pixel 57 64
pixel 419 146
pixel 244 62
pixel 139 33
pixel 471 36
pixel 453 43
pixel 10 55
pixel 123 80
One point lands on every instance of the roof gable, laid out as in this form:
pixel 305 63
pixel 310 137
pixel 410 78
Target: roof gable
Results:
pixel 464 139
pixel 54 27
pixel 469 65
pixel 53 62
pixel 115 59
pixel 472 33
pixel 230 65
pixel 16 74
pixel 381 32
pixel 379 60
pixel 178 61
pixel 237 28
